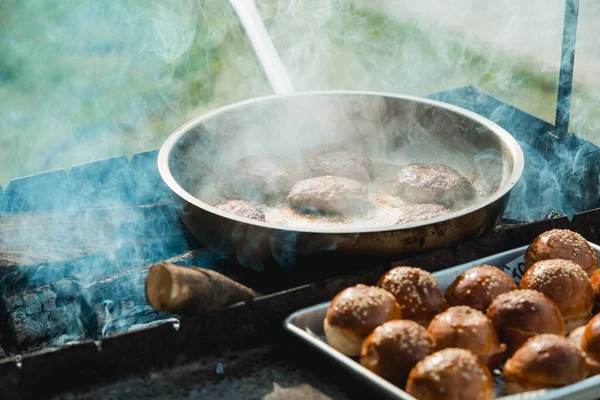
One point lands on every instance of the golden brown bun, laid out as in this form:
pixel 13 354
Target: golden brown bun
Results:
pixel 416 291
pixel 563 244
pixel 567 285
pixel 354 313
pixel 466 328
pixel 544 361
pixel 520 314
pixel 590 344
pixel 478 286
pixel 450 374
pixel 394 348
pixel 596 287
pixel 576 337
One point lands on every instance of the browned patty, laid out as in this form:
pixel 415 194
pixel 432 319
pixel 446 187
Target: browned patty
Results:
pixel 257 178
pixel 329 194
pixel 420 212
pixel 339 160
pixel 241 208
pixel 433 183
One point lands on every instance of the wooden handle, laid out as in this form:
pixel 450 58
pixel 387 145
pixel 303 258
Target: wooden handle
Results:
pixel 192 290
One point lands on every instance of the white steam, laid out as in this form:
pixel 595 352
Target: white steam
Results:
pixel 84 80
pixel 175 27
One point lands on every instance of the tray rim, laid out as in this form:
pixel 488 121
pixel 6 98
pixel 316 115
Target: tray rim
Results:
pixel 573 392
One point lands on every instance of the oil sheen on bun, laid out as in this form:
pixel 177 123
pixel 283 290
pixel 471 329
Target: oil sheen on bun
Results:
pixel 544 361
pixel 416 291
pixel 394 348
pixel 466 328
pixel 590 344
pixel 450 374
pixel 477 287
pixel 521 314
pixel 563 244
pixel 567 285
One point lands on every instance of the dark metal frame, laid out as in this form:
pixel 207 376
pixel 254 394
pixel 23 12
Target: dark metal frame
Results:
pixel 234 328
pixel 567 63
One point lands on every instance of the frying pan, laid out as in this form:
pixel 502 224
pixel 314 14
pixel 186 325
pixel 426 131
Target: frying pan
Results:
pixel 395 128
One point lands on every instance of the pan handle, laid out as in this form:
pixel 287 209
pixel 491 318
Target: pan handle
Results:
pixel 263 46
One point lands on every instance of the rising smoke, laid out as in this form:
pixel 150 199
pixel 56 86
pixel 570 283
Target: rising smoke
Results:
pixel 510 50
pixel 89 79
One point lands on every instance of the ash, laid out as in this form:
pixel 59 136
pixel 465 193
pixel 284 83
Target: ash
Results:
pixel 69 311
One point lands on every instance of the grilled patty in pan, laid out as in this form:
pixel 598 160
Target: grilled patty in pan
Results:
pixel 433 183
pixel 341 186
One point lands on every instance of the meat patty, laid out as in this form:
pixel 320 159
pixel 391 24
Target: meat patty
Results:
pixel 258 177
pixel 339 160
pixel 329 194
pixel 242 208
pixel 433 183
pixel 420 212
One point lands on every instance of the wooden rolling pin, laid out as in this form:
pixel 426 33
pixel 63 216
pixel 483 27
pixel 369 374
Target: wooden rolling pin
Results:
pixel 192 290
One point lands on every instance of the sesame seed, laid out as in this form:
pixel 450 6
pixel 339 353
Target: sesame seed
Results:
pixel 414 287
pixel 360 300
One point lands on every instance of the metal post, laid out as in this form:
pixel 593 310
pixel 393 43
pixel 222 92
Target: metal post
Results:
pixel 567 60
pixel 263 46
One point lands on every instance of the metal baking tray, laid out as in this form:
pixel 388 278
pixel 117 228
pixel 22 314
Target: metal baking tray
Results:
pixel 307 325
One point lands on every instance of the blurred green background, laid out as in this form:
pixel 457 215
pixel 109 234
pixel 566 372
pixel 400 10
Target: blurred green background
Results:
pixel 82 80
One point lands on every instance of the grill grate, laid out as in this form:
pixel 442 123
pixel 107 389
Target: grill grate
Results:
pixel 95 195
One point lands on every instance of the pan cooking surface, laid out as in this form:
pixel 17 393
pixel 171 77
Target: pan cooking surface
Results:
pixel 392 131
pixel 385 207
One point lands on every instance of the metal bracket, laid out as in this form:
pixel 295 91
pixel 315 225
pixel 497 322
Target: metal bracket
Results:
pixel 567 61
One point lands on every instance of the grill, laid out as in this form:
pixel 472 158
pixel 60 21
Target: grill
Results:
pixel 74 314
pixel 75 250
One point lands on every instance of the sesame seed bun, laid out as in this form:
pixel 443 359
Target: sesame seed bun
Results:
pixel 394 348
pixel 450 374
pixel 590 344
pixel 521 314
pixel 544 361
pixel 416 291
pixel 466 328
pixel 563 244
pixel 567 285
pixel 576 337
pixel 354 313
pixel 477 287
